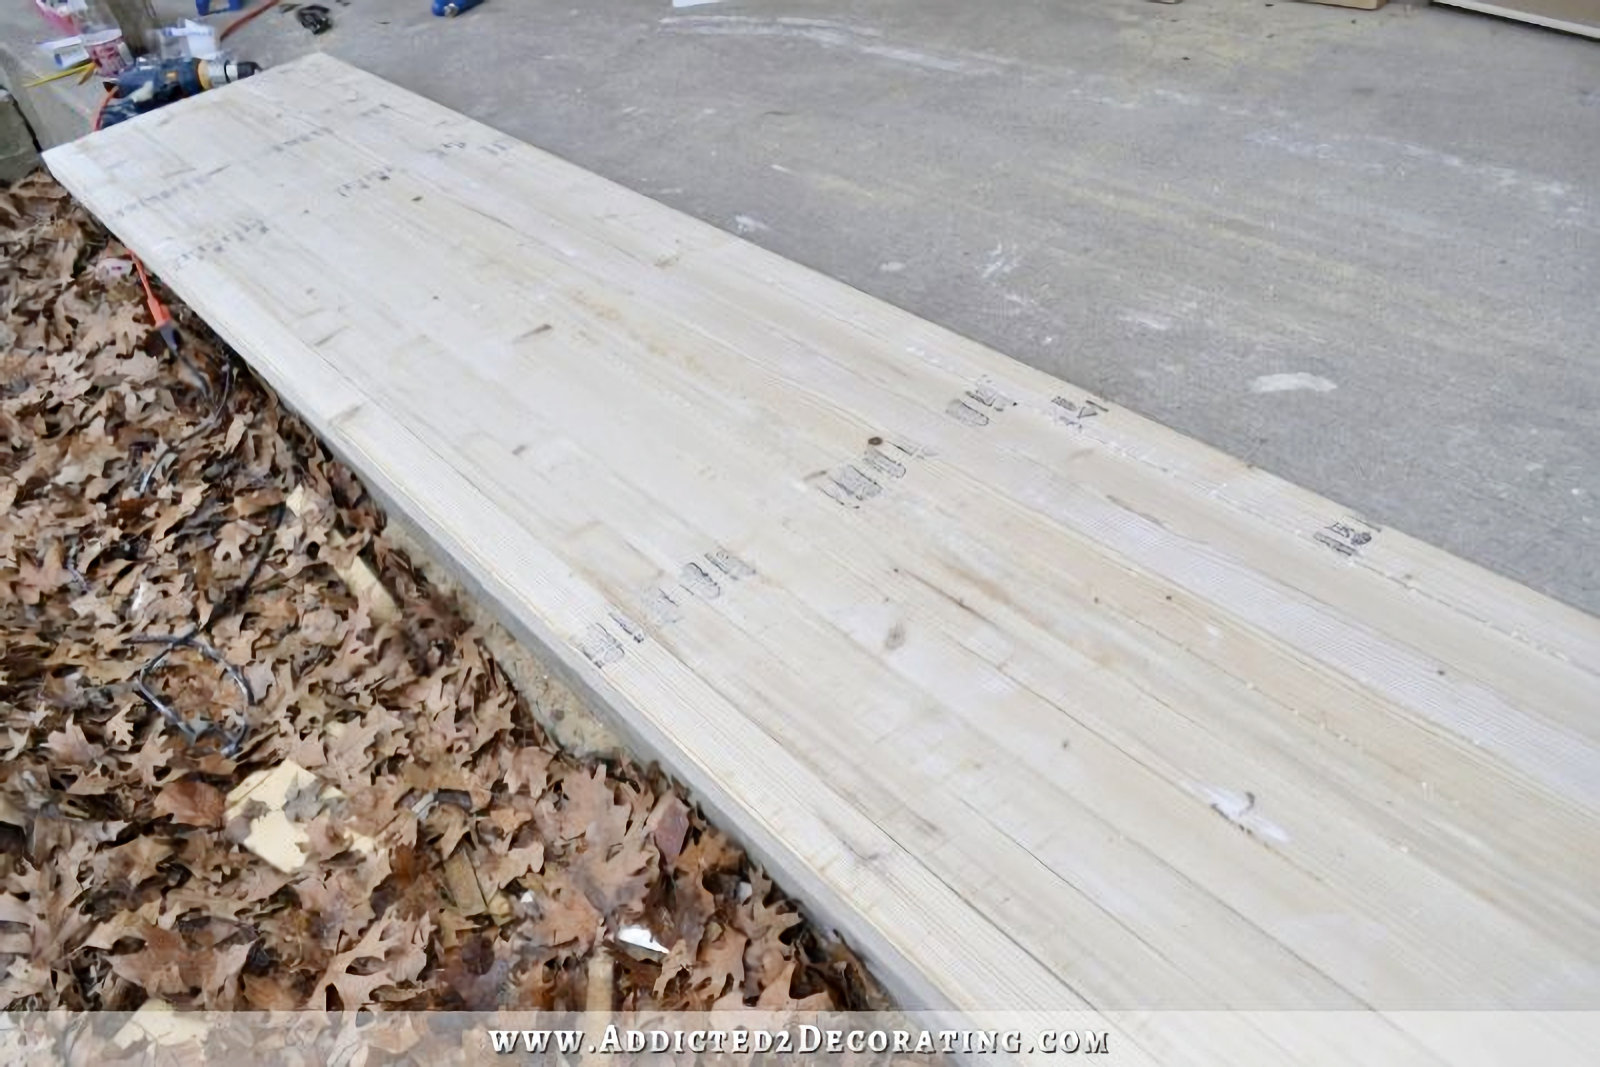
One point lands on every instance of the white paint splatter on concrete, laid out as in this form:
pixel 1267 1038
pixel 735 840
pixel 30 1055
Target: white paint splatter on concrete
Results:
pixel 1288 383
pixel 780 168
pixel 894 266
pixel 832 34
pixel 1147 320
pixel 749 224
pixel 1240 809
pixel 1000 263
pixel 694 3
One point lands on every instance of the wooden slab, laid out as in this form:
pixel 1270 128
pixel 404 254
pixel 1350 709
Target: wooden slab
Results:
pixel 1570 16
pixel 1042 704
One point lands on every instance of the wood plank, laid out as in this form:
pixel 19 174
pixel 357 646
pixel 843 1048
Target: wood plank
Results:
pixel 1570 16
pixel 1042 704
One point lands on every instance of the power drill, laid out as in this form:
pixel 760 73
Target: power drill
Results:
pixel 150 84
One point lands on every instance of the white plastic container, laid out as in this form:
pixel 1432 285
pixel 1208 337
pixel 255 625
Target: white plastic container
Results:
pixel 101 37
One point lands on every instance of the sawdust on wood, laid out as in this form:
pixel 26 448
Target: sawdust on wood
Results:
pixel 252 759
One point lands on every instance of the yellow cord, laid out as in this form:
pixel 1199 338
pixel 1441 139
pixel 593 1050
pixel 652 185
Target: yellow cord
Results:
pixel 69 72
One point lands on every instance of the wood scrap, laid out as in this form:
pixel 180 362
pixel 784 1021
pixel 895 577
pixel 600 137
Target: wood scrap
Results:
pixel 361 579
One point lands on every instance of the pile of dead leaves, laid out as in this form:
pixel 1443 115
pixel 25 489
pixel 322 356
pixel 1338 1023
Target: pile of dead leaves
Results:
pixel 230 782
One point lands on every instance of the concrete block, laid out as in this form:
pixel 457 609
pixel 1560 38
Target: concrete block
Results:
pixel 18 153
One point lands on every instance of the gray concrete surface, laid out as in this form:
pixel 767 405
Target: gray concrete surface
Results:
pixel 1359 249
pixel 18 154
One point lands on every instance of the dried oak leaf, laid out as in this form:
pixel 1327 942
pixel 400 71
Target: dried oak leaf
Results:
pixel 565 917
pixel 391 952
pixel 498 870
pixel 669 825
pixel 167 967
pixel 777 997
pixel 72 747
pixel 132 863
pixel 720 962
pixel 192 803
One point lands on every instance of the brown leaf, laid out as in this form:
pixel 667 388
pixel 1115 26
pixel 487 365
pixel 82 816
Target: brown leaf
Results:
pixel 720 962
pixel 192 802
pixel 72 748
pixel 777 997
pixel 167 967
pixel 669 825
pixel 391 951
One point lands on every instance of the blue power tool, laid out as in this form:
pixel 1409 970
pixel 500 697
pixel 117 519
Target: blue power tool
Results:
pixel 150 84
pixel 452 8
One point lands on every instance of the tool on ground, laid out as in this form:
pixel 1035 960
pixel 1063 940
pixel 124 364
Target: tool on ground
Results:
pixel 314 17
pixel 150 84
pixel 205 7
pixel 452 8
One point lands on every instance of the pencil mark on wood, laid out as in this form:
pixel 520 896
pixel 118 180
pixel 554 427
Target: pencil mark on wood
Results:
pixel 543 327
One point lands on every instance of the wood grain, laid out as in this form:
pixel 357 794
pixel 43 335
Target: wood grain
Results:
pixel 1042 704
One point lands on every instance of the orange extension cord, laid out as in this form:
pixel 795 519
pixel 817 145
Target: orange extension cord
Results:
pixel 159 315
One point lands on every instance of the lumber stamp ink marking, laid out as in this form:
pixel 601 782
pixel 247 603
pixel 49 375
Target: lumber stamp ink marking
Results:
pixel 731 565
pixel 695 579
pixel 854 483
pixel 832 490
pixel 1073 413
pixel 660 609
pixel 244 232
pixel 883 464
pixel 850 486
pixel 990 397
pixel 1346 538
pixel 446 148
pixel 962 411
pixel 628 626
pixel 910 448
pixel 379 174
pixel 600 647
